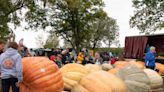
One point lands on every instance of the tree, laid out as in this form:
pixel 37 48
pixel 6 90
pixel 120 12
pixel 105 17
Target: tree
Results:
pixel 112 33
pixel 4 34
pixel 67 44
pixel 7 35
pixel 52 41
pixel 40 41
pixel 71 19
pixel 148 15
pixel 104 29
pixel 11 11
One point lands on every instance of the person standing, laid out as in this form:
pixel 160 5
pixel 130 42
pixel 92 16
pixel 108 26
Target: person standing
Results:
pixel 2 45
pixel 64 57
pixel 98 60
pixel 147 48
pixel 23 51
pixel 150 58
pixel 80 58
pixel 59 61
pixel 91 57
pixel 11 68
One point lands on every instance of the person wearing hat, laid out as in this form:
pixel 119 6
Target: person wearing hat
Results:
pixel 150 58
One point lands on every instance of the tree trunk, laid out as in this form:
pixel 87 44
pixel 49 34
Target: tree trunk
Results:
pixel 94 45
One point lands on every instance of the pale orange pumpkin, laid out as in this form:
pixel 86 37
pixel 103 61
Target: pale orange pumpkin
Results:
pixel 72 74
pixel 40 75
pixel 100 81
pixel 121 64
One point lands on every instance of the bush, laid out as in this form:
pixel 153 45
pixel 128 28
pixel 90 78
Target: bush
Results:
pixel 115 51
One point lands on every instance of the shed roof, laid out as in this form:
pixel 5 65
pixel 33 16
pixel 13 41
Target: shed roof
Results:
pixel 147 35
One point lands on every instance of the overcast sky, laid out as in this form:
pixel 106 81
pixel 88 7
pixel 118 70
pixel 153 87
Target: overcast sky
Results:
pixel 121 10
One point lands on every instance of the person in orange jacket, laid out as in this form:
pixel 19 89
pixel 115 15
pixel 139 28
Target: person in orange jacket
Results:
pixel 80 58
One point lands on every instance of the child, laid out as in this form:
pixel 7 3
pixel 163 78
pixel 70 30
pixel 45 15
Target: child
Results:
pixel 11 68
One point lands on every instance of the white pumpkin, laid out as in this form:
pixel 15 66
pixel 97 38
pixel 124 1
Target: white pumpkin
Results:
pixel 156 80
pixel 92 67
pixel 107 67
pixel 135 78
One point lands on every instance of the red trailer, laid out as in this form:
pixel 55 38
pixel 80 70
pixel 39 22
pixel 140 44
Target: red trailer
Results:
pixel 135 46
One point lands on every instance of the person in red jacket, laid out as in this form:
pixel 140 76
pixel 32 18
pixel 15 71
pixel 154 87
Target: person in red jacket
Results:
pixel 113 60
pixel 52 57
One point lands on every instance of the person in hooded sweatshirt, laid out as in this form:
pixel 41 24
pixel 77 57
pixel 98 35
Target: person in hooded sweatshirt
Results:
pixel 11 68
pixel 150 58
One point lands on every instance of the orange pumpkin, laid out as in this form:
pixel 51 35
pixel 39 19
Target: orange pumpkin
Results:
pixel 142 64
pixel 160 67
pixel 113 71
pixel 139 64
pixel 40 75
pixel 120 64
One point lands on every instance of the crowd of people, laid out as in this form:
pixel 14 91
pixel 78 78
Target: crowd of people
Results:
pixel 65 56
pixel 11 55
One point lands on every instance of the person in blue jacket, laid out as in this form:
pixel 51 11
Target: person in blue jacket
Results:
pixel 150 58
pixel 11 68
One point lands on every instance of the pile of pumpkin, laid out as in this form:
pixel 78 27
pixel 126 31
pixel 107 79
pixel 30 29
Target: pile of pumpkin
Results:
pixel 42 75
pixel 122 77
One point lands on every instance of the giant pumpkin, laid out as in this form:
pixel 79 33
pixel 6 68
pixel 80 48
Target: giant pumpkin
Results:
pixel 114 71
pixel 139 64
pixel 135 78
pixel 100 81
pixel 72 73
pixel 121 64
pixel 156 80
pixel 41 75
pixel 93 67
pixel 160 67
pixel 106 67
